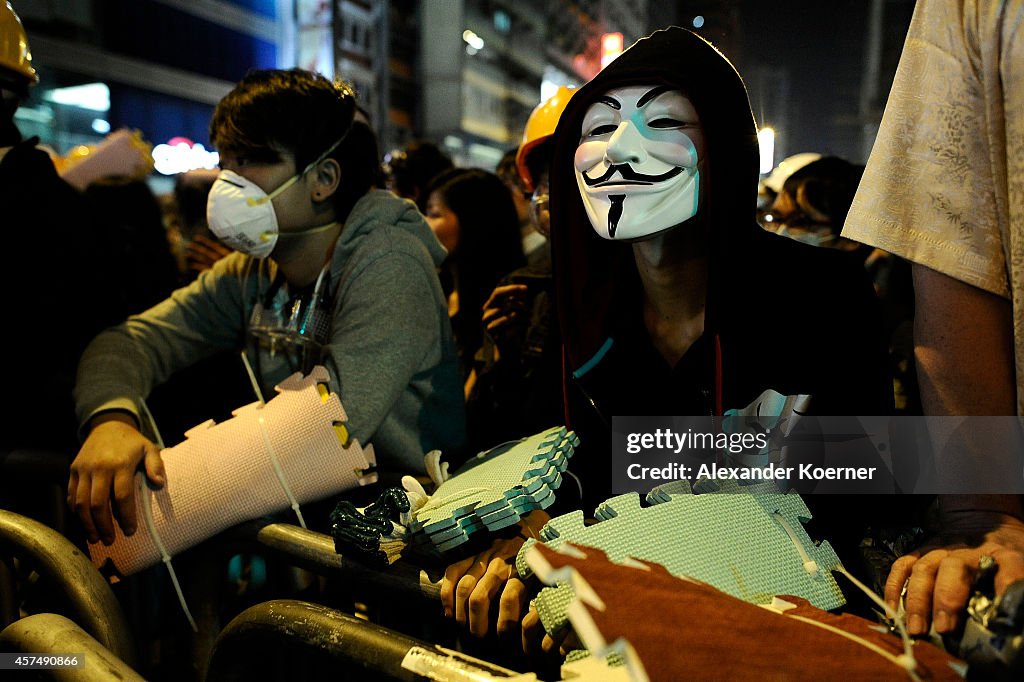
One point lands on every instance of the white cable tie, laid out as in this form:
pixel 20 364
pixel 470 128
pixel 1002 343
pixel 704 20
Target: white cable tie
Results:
pixel 147 515
pixel 810 565
pixel 436 469
pixel 165 557
pixel 152 422
pixel 293 503
pixel 579 483
pixel 434 502
pixel 908 660
pixel 252 378
pixel 900 661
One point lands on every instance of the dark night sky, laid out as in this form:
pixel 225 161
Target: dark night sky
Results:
pixel 821 48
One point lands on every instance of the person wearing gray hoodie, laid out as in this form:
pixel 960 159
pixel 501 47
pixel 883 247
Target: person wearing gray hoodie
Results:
pixel 330 272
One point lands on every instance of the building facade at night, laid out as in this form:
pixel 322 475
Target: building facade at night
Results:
pixel 462 73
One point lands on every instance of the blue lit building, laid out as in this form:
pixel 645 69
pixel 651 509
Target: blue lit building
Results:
pixel 158 66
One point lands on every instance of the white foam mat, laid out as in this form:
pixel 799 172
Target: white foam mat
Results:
pixel 224 474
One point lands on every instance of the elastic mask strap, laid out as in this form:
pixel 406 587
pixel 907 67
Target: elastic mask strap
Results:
pixel 308 231
pixel 295 178
pixel 278 472
pixel 259 201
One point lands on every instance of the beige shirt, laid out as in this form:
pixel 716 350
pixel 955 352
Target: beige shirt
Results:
pixel 944 185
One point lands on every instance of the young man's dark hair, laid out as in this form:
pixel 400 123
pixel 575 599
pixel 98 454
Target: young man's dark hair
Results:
pixel 295 111
pixel 273 111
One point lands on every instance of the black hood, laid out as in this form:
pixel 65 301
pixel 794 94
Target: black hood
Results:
pixel 592 273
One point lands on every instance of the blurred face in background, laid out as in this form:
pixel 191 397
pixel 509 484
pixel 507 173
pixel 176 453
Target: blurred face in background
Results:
pixel 443 222
pixel 795 217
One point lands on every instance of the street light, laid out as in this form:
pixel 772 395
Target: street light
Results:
pixel 766 144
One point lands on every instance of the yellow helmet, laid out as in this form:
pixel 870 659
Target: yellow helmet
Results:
pixel 14 53
pixel 539 127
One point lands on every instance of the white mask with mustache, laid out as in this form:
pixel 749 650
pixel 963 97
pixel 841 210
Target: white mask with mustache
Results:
pixel 636 164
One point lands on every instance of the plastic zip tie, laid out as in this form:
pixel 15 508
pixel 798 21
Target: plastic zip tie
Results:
pixel 165 557
pixel 152 423
pixel 147 516
pixel 810 565
pixel 895 660
pixel 908 646
pixel 274 462
pixel 252 378
pixel 433 503
pixel 315 298
pixel 579 483
pixel 907 660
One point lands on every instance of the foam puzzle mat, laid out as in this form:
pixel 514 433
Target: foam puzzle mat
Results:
pixel 295 448
pixel 747 541
pixel 495 489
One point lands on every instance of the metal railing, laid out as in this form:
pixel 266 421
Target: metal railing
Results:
pixel 315 552
pixel 289 639
pixel 50 633
pixel 64 568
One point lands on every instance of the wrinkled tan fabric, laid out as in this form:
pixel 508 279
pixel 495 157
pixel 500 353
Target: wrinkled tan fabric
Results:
pixel 687 630
pixel 944 185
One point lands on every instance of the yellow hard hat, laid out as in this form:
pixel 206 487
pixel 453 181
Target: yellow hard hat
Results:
pixel 539 127
pixel 14 53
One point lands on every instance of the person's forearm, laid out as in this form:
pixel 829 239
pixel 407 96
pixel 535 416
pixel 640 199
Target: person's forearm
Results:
pixel 963 345
pixel 964 352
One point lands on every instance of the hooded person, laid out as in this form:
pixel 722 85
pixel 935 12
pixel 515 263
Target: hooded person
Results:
pixel 671 298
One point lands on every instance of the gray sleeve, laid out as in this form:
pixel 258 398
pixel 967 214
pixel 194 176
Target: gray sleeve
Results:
pixel 124 363
pixel 387 329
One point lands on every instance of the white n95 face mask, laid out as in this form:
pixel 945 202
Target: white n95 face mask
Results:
pixel 242 215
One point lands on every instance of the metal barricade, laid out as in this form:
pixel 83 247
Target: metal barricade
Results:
pixel 289 639
pixel 55 635
pixel 64 568
pixel 315 552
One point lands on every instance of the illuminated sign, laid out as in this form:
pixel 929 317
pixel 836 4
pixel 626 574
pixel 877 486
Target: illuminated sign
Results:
pixel 180 155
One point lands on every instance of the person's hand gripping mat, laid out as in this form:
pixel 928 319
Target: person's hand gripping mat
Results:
pixel 268 457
